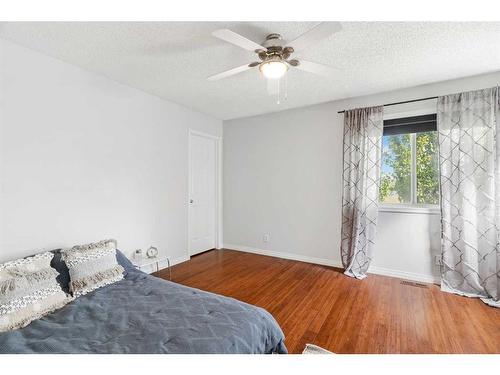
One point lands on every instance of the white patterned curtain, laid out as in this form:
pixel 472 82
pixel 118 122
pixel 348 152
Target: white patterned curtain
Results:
pixel 469 145
pixel 362 149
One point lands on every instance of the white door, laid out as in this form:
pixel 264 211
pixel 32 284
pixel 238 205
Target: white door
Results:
pixel 202 193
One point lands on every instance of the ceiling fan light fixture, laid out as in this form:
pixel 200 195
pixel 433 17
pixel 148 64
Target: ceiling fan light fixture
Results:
pixel 273 69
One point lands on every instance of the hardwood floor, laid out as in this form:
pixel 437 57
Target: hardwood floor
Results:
pixel 318 304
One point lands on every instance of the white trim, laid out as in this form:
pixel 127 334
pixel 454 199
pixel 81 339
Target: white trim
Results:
pixel 202 134
pixel 409 209
pixel 220 220
pixel 283 255
pixel 405 275
pixel 218 188
pixel 413 150
pixel 335 263
pixel 174 261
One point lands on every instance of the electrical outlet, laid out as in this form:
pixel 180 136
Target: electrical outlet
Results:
pixel 266 237
pixel 437 260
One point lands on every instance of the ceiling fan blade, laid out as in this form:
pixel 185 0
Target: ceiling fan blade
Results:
pixel 318 32
pixel 237 39
pixel 231 72
pixel 312 67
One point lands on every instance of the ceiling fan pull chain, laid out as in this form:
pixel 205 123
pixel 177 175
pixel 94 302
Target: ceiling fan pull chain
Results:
pixel 279 84
pixel 286 86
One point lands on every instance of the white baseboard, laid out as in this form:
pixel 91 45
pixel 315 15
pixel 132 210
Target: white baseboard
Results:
pixel 284 255
pixel 178 260
pixel 405 275
pixel 332 263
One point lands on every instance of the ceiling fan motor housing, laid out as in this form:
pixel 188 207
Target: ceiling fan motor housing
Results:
pixel 275 47
pixel 273 40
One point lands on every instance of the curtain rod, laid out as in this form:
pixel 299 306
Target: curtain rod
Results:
pixel 404 102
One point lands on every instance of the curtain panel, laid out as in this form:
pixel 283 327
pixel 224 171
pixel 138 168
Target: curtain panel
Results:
pixel 361 179
pixel 469 145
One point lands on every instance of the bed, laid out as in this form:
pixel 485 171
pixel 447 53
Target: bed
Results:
pixel 146 314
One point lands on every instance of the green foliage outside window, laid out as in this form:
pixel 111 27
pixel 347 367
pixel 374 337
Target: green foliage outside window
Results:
pixel 396 176
pixel 427 168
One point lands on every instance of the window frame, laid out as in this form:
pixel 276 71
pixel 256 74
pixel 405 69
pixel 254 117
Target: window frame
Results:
pixel 413 206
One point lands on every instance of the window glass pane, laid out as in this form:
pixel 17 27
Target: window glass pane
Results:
pixel 427 168
pixel 395 186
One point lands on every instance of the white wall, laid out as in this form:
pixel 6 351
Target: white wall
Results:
pixel 283 176
pixel 83 158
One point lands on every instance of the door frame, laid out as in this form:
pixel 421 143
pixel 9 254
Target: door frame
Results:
pixel 218 188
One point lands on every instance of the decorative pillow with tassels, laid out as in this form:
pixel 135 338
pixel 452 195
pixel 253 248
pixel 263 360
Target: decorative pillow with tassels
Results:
pixel 92 266
pixel 28 291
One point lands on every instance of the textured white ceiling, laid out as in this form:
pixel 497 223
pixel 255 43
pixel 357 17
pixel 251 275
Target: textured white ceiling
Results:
pixel 173 59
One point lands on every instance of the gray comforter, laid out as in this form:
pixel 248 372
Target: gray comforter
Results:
pixel 145 314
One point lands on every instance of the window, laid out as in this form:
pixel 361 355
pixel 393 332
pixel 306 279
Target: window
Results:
pixel 410 173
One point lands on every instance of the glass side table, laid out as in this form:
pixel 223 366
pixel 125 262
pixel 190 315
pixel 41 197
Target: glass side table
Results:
pixel 148 263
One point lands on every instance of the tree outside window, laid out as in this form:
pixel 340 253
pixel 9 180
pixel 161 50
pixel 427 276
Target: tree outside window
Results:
pixel 410 170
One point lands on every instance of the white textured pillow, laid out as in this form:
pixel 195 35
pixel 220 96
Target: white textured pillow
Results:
pixel 92 266
pixel 28 291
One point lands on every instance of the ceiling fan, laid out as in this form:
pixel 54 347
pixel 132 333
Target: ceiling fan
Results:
pixel 274 53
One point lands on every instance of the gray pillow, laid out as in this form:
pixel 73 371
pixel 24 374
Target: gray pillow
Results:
pixel 63 278
pixel 28 291
pixel 92 266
